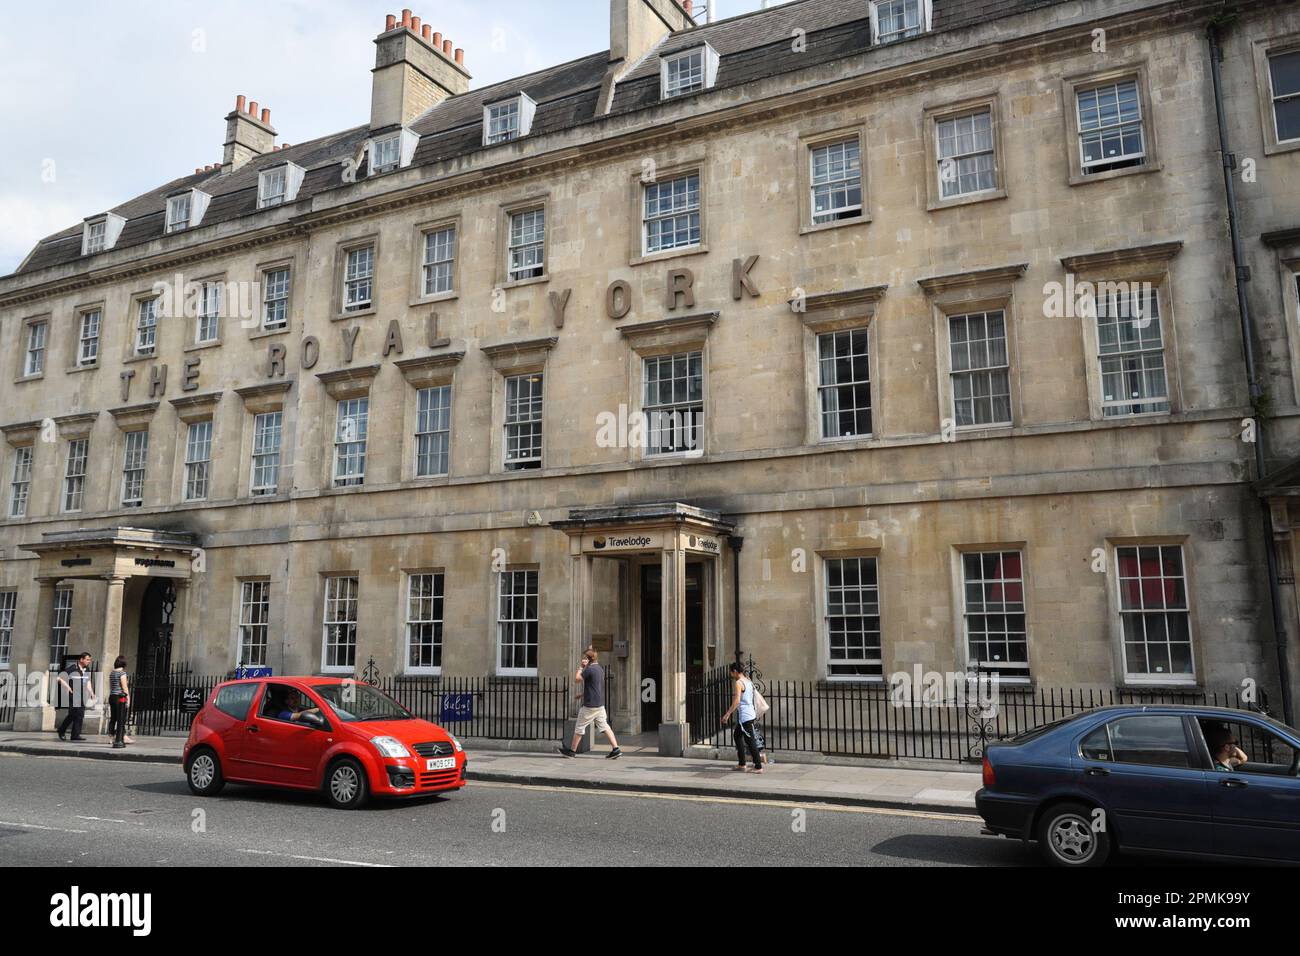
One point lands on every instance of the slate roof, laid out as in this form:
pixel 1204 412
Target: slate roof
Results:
pixel 751 46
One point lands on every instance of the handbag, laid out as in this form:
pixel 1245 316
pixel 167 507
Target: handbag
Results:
pixel 761 705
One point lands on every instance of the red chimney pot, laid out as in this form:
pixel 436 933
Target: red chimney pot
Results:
pixel 446 47
pixel 425 31
pixel 252 108
pixel 437 41
pixel 460 56
pixel 390 22
pixel 406 17
pixel 415 24
pixel 266 117
pixel 239 103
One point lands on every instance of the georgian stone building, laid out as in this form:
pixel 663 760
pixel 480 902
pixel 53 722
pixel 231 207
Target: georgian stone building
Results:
pixel 864 335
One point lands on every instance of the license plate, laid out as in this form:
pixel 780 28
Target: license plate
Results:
pixel 442 763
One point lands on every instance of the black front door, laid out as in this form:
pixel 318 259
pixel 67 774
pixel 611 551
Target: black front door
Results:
pixel 652 661
pixel 155 641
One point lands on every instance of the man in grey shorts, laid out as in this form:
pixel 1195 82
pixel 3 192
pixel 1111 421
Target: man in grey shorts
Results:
pixel 592 678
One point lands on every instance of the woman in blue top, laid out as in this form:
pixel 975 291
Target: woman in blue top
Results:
pixel 743 707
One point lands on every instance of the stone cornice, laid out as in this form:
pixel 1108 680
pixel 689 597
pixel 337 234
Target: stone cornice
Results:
pixel 348 382
pixel 500 349
pixel 702 322
pixel 263 391
pixel 991 55
pixel 962 280
pixel 1136 255
pixel 1282 237
pixel 196 408
pixel 849 298
pixel 131 416
pixel 21 433
pixel 429 369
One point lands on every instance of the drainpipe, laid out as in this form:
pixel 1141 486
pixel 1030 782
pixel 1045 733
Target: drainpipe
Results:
pixel 1242 272
pixel 736 542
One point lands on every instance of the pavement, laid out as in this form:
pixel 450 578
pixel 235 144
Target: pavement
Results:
pixel 639 770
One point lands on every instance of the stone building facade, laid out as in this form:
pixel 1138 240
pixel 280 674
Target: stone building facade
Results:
pixel 772 334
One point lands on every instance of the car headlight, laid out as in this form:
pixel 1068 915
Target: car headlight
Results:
pixel 455 743
pixel 390 746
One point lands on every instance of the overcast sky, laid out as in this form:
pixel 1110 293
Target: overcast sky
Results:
pixel 101 101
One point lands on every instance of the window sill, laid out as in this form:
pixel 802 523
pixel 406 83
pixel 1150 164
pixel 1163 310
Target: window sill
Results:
pixel 200 346
pixel 971 199
pixel 827 682
pixel 1286 146
pixel 998 430
pixel 434 299
pixel 520 283
pixel 261 499
pixel 650 257
pixel 131 359
pixel 72 370
pixel 810 228
pixel 28 378
pixel 1079 179
pixel 420 672
pixel 268 333
pixel 359 314
pixel 1135 685
pixel 1139 417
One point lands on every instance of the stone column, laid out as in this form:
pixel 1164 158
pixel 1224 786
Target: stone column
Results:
pixel 37 695
pixel 674 734
pixel 109 648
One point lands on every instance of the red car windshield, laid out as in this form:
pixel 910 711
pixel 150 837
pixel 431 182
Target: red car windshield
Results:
pixel 354 703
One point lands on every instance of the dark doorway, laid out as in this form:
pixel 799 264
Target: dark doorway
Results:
pixel 652 661
pixel 154 647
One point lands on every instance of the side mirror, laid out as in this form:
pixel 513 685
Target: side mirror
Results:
pixel 314 721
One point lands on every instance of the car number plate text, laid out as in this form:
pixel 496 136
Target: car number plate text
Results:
pixel 442 763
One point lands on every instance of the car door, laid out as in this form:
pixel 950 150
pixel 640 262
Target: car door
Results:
pixel 233 706
pixel 1256 807
pixel 286 752
pixel 1144 770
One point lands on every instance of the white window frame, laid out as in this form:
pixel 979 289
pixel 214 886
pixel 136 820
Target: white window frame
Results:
pixel 923 25
pixel 351 440
pixel 8 615
pixel 972 373
pixel 438 261
pixel 20 481
pixel 677 409
pixel 508 622
pixel 341 611
pixel 95 237
pixel 359 277
pixel 863 335
pixel 38 334
pixel 876 663
pixel 433 428
pixel 528 411
pixel 425 612
pixel 1107 163
pixel 90 329
pixel 526 244
pixel 1007 671
pixel 272 187
pixel 1102 309
pixel 253 630
pixel 1131 677
pixel 275 297
pixel 701 72
pixel 961 155
pixel 1275 99
pixel 507 120
pixel 266 457
pixel 176 205
pixel 198 460
pixel 146 326
pixel 61 625
pixel 676 204
pixel 135 461
pixel 77 456
pixel 207 324
pixel 380 147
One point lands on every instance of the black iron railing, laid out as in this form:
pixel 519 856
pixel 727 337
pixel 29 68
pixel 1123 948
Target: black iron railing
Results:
pixel 845 719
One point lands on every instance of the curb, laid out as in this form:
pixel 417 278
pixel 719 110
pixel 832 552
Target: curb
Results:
pixel 570 783
pixel 86 753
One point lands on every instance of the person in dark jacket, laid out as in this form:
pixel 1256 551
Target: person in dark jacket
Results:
pixel 76 684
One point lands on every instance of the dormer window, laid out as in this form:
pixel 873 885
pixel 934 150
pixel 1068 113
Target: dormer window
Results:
pixel 899 19
pixel 100 235
pixel 186 209
pixel 387 153
pixel 688 72
pixel 278 185
pixel 507 120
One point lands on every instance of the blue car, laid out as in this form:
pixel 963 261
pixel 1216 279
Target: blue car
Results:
pixel 1193 781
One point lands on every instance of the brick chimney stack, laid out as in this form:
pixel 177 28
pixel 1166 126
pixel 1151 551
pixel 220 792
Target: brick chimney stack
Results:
pixel 249 134
pixel 635 26
pixel 415 68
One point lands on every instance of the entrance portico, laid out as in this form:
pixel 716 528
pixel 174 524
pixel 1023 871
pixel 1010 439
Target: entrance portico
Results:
pixel 667 554
pixel 129 561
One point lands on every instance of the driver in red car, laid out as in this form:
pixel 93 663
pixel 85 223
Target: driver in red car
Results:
pixel 291 707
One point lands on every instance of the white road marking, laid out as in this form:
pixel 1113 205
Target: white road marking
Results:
pixel 731 801
pixel 101 819
pixel 37 826
pixel 315 859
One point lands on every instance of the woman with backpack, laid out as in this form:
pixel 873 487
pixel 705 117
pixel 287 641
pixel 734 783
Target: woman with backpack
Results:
pixel 745 707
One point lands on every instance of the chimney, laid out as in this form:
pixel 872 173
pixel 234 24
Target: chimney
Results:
pixel 637 25
pixel 415 68
pixel 248 134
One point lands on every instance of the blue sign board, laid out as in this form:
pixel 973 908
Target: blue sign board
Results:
pixel 456 708
pixel 244 672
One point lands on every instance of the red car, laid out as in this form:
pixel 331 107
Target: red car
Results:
pixel 342 737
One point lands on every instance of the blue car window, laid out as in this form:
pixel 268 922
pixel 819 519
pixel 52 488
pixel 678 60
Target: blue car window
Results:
pixel 1153 739
pixel 1096 746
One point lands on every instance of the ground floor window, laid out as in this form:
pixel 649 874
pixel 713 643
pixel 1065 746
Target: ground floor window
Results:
pixel 994 611
pixel 62 625
pixel 8 611
pixel 517 623
pixel 254 618
pixel 853 618
pixel 340 634
pixel 424 602
pixel 1154 614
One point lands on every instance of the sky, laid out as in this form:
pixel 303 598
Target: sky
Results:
pixel 137 92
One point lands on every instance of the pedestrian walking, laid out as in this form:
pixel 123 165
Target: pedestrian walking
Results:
pixel 745 734
pixel 119 703
pixel 76 683
pixel 592 678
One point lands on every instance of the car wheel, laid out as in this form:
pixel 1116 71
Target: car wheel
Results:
pixel 345 784
pixel 204 774
pixel 1067 837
